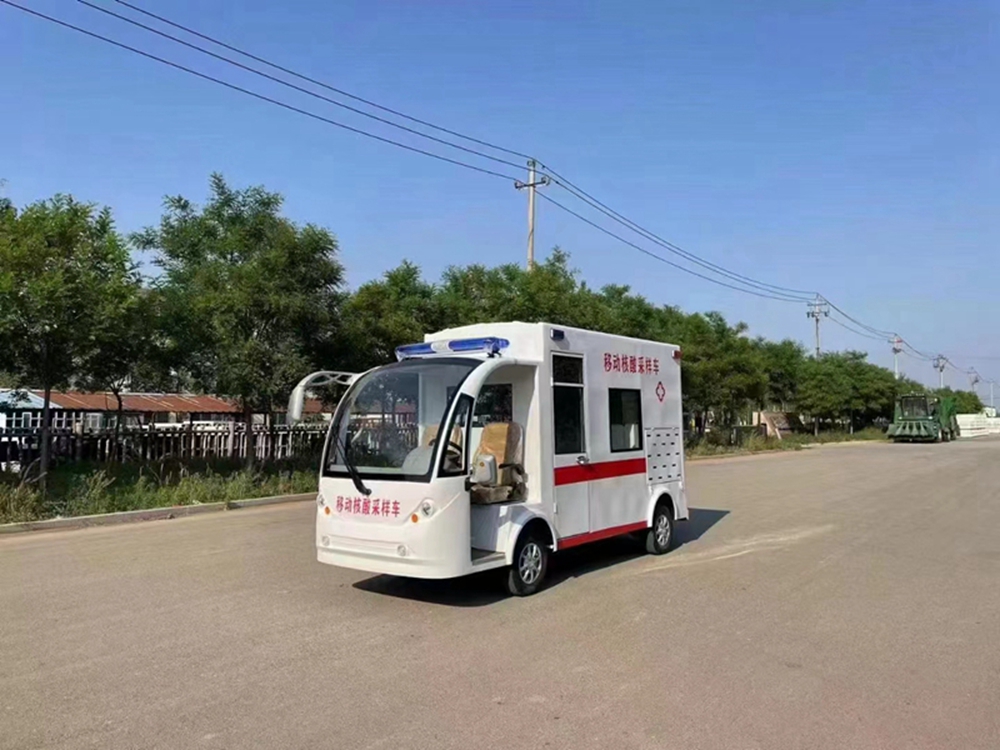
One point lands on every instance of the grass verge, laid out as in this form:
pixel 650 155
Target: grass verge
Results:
pixel 82 489
pixel 794 442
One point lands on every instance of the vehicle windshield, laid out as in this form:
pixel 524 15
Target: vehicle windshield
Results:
pixel 914 407
pixel 390 419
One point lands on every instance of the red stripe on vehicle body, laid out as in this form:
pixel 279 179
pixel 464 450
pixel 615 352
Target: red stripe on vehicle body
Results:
pixel 595 536
pixel 603 470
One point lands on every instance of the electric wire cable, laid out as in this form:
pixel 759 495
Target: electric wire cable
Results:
pixel 658 257
pixel 801 295
pixel 749 284
pixel 254 94
pixel 854 330
pixel 296 87
pixel 328 87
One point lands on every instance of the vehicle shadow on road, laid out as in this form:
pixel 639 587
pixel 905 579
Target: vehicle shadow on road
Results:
pixel 699 522
pixel 483 589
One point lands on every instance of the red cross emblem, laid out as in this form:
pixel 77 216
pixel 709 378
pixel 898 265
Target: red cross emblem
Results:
pixel 661 392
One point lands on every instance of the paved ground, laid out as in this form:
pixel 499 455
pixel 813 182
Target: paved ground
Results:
pixel 845 597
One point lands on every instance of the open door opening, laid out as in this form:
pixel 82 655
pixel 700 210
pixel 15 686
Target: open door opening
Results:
pixel 499 473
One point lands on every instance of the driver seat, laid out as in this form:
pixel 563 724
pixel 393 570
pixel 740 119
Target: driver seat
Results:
pixel 503 441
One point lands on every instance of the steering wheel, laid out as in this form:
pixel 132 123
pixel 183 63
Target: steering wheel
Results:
pixel 456 447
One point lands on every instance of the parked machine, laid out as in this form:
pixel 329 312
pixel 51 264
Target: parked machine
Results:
pixel 923 418
pixel 495 445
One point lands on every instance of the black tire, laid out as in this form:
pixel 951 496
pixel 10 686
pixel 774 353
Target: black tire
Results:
pixel 531 563
pixel 660 536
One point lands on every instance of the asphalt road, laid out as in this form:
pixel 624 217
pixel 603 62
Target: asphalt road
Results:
pixel 845 597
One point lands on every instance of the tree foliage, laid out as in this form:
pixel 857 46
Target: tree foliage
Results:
pixel 247 302
pixel 966 402
pixel 250 300
pixel 63 268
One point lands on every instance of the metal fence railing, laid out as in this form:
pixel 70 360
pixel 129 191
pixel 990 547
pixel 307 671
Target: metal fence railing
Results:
pixel 154 442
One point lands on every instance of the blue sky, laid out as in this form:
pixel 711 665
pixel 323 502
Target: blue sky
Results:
pixel 848 147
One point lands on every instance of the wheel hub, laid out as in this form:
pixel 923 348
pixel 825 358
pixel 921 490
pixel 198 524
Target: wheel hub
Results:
pixel 529 563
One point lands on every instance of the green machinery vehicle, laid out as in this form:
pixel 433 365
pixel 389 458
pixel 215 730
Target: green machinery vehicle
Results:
pixel 922 418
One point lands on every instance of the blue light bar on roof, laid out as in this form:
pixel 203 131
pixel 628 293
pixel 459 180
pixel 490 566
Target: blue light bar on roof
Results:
pixel 489 344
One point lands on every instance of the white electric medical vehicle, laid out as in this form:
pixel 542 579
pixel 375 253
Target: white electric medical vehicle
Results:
pixel 495 445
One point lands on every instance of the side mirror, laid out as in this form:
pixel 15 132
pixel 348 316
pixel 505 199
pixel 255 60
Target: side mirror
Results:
pixel 484 471
pixel 297 401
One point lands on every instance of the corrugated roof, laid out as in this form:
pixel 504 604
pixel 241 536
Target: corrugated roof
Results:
pixel 142 402
pixel 145 403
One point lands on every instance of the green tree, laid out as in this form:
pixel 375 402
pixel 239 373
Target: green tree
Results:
pixel 824 389
pixel 723 372
pixel 782 362
pixel 124 350
pixel 251 300
pixel 966 402
pixel 61 261
pixel 397 309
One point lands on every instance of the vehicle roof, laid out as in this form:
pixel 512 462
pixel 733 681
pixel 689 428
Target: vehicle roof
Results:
pixel 509 328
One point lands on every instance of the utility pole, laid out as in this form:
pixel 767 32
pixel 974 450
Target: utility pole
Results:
pixel 897 347
pixel 530 186
pixel 818 309
pixel 973 379
pixel 992 383
pixel 940 363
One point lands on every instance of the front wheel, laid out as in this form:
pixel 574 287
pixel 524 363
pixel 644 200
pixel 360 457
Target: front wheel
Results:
pixel 531 563
pixel 660 536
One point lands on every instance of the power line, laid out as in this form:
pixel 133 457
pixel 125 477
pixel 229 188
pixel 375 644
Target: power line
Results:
pixel 755 287
pixel 295 87
pixel 566 184
pixel 855 331
pixel 916 354
pixel 877 331
pixel 801 295
pixel 316 82
pixel 660 258
pixel 257 95
pixel 562 181
pixel 313 115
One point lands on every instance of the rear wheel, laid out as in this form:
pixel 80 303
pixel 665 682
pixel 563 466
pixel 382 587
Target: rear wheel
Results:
pixel 531 563
pixel 660 536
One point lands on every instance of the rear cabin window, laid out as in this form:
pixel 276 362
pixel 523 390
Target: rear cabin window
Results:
pixel 567 403
pixel 625 411
pixel 495 404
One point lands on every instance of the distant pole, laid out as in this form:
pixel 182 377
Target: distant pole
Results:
pixel 973 379
pixel 940 363
pixel 531 214
pixel 897 347
pixel 991 394
pixel 818 309
pixel 530 186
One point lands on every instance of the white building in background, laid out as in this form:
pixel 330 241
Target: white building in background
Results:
pixel 13 403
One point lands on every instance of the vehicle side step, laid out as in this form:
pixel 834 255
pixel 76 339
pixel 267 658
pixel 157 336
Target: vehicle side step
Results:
pixel 484 556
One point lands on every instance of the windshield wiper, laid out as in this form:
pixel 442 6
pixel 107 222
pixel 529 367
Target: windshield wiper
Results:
pixel 344 444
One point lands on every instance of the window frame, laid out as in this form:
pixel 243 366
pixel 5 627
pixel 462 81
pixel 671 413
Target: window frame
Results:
pixel 509 387
pixel 611 424
pixel 463 398
pixel 580 387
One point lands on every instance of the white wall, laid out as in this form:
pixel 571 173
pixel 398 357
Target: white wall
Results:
pixel 977 425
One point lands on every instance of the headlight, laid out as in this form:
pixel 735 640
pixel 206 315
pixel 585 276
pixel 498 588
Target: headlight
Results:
pixel 427 508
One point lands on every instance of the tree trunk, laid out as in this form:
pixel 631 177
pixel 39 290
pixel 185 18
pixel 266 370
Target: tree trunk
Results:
pixel 271 435
pixel 119 414
pixel 250 443
pixel 816 426
pixel 43 469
